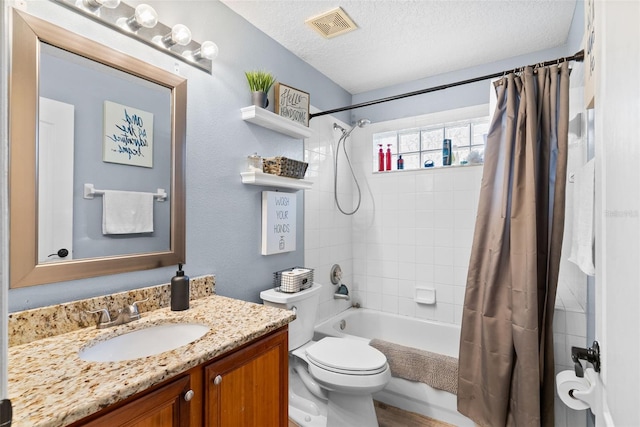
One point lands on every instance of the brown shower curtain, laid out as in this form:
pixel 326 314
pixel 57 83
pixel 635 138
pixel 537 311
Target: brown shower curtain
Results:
pixel 506 372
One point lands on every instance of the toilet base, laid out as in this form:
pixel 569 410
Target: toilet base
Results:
pixel 348 410
pixel 305 409
pixel 304 419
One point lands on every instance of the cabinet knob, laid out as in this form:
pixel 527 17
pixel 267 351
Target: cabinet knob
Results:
pixel 217 380
pixel 189 395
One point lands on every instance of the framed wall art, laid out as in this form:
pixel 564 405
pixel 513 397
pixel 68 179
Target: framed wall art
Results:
pixel 292 103
pixel 278 222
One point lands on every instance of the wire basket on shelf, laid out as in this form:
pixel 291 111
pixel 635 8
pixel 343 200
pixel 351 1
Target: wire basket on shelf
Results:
pixel 293 279
pixel 282 166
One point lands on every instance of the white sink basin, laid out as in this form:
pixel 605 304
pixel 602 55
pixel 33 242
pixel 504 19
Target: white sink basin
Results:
pixel 144 342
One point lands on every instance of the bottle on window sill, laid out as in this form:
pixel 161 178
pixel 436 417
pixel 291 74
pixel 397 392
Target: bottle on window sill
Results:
pixel 388 158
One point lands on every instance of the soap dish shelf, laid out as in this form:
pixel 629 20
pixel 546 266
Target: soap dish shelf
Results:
pixel 424 295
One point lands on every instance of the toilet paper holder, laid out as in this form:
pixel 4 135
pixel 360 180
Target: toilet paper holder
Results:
pixel 591 355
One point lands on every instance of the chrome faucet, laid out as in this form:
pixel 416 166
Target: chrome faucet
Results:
pixel 125 315
pixel 342 293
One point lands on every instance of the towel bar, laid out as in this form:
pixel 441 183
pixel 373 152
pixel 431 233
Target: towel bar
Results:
pixel 89 192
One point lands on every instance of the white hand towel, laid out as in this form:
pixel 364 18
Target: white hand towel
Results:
pixel 583 219
pixel 126 212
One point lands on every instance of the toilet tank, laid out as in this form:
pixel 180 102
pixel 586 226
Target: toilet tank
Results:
pixel 304 303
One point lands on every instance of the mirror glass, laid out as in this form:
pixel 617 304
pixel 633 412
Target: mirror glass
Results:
pixel 139 131
pixel 90 124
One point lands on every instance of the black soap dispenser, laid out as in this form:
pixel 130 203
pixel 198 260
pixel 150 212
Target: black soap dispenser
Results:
pixel 179 291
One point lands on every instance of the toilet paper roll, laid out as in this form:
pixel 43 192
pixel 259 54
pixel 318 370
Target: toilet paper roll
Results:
pixel 566 383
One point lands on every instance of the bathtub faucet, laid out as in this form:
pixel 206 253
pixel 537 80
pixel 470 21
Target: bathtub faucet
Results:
pixel 342 292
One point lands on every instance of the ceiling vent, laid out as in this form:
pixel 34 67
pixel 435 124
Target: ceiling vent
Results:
pixel 332 23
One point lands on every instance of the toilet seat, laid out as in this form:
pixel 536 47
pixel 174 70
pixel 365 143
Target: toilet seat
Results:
pixel 346 356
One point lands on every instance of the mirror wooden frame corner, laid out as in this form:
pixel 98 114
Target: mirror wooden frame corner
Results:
pixel 24 269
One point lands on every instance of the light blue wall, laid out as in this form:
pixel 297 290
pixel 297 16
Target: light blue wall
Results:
pixel 223 215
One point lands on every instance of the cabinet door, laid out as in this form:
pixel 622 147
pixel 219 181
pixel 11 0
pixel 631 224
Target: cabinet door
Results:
pixel 249 387
pixel 166 406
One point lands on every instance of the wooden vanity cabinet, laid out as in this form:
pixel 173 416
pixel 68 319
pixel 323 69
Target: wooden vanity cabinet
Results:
pixel 166 406
pixel 248 387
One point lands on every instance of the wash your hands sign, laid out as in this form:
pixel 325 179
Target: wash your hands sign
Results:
pixel 278 222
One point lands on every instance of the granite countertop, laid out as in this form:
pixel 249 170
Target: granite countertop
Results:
pixel 49 385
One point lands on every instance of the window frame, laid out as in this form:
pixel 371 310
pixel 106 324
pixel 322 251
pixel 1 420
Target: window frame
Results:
pixel 423 152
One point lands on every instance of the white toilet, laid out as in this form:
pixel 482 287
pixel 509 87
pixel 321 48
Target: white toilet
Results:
pixel 339 374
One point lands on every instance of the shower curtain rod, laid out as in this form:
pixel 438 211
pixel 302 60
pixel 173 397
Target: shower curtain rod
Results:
pixel 579 56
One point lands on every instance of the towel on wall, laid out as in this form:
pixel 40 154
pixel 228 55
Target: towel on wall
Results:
pixel 582 240
pixel 436 370
pixel 126 212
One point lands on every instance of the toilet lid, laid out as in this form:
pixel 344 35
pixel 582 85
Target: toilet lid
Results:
pixel 346 356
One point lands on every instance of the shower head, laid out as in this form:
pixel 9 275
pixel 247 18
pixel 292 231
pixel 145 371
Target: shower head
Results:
pixel 360 123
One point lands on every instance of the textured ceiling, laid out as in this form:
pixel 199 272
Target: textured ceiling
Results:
pixel 400 40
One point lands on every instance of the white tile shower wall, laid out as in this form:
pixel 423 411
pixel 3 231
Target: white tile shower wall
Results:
pixel 416 232
pixel 327 231
pixel 415 229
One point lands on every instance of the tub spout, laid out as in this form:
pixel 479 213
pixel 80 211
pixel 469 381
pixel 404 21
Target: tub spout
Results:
pixel 342 293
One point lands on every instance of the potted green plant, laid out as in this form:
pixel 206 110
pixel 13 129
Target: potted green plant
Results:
pixel 260 82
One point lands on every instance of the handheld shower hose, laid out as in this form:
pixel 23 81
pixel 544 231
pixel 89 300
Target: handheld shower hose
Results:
pixel 343 140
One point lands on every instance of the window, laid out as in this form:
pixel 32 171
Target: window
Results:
pixel 421 147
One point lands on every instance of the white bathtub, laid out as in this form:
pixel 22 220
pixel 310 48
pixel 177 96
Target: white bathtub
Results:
pixel 365 324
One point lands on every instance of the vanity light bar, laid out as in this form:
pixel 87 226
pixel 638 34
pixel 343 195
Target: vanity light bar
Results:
pixel 138 24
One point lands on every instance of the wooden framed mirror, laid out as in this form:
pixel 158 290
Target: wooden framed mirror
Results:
pixel 53 70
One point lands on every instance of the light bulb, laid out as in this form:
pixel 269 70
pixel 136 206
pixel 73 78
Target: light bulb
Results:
pixel 208 50
pixel 179 34
pixel 144 16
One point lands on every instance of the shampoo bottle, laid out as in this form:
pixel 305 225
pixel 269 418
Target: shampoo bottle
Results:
pixel 388 157
pixel 179 291
pixel 380 159
pixel 446 152
pixel 400 162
